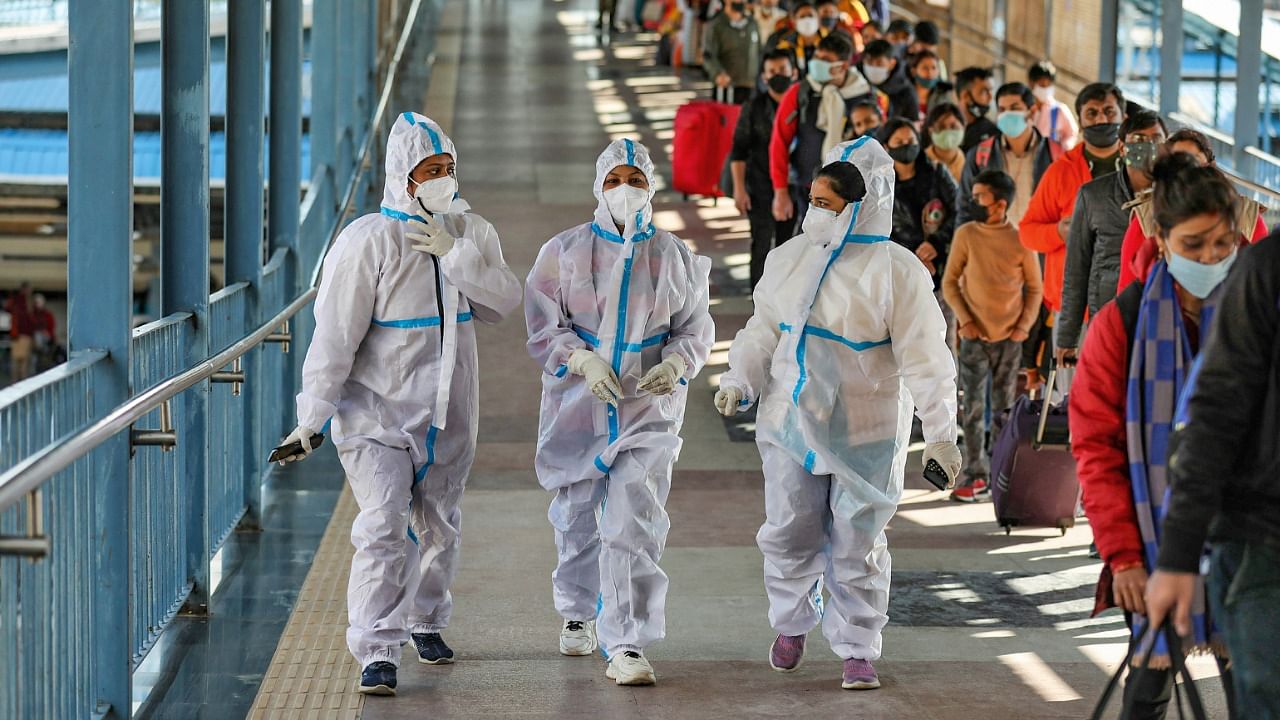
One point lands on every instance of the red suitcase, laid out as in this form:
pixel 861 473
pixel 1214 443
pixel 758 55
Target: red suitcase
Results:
pixel 703 138
pixel 1033 474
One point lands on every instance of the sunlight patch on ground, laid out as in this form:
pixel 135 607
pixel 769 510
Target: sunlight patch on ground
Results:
pixel 1037 675
pixel 955 514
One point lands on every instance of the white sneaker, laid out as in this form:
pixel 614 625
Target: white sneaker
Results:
pixel 578 637
pixel 630 668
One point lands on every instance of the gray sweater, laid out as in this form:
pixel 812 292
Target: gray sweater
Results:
pixel 732 50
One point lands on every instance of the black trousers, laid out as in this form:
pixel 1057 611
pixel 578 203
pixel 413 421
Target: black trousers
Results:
pixel 766 233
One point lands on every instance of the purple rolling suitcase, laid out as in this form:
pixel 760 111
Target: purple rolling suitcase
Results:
pixel 1033 474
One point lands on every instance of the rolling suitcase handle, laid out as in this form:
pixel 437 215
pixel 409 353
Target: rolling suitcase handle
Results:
pixel 1038 442
pixel 721 95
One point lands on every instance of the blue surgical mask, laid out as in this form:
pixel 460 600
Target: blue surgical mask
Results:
pixel 1012 123
pixel 1196 277
pixel 820 70
pixel 927 83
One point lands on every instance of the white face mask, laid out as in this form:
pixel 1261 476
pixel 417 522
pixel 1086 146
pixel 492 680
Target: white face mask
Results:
pixel 807 26
pixel 435 196
pixel 1043 93
pixel 624 201
pixel 818 225
pixel 875 74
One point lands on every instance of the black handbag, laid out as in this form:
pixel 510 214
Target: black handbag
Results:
pixel 1179 661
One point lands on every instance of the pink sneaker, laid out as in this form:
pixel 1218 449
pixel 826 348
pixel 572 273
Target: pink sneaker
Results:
pixel 787 653
pixel 859 675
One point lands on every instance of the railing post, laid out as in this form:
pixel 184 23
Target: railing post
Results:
pixel 346 95
pixel 1170 55
pixel 1107 40
pixel 324 104
pixel 1248 77
pixel 184 256
pixel 286 180
pixel 246 51
pixel 100 288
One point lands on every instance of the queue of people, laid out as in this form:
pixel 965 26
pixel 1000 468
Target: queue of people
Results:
pixel 935 243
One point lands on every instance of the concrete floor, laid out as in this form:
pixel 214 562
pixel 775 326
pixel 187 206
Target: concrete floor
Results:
pixel 982 625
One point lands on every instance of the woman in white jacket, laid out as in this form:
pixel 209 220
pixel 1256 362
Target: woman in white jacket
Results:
pixel 618 319
pixel 846 336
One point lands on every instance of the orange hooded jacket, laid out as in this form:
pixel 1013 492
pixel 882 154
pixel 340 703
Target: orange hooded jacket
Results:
pixel 1054 199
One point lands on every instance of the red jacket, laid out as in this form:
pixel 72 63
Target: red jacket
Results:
pixel 1054 199
pixel 1138 253
pixel 1097 416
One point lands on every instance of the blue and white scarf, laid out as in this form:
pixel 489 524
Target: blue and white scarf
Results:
pixel 1158 370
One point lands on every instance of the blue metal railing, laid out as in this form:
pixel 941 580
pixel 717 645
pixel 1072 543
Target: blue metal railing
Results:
pixel 33 414
pixel 71 613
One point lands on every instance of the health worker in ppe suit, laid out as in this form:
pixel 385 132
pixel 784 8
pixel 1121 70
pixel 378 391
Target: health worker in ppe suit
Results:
pixel 392 372
pixel 618 319
pixel 845 339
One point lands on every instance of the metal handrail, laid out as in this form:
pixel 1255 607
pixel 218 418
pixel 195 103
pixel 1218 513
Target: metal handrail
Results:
pixel 35 470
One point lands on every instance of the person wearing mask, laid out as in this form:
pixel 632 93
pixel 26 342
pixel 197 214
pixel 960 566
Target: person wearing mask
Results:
pixel 811 119
pixel 618 319
pixel 882 68
pixel 832 18
pixel 836 363
pixel 899 36
pixel 391 375
pixel 924 206
pixel 731 52
pixel 925 75
pixel 865 119
pixel 1018 150
pixel 1044 227
pixel 1051 116
pixel 770 17
pixel 1139 250
pixel 749 161
pixel 871 31
pixel 973 88
pixel 1098 224
pixel 993 285
pixel 1133 367
pixel 801 41
pixel 945 127
pixel 21 333
pixel 1222 470
pixel 927 39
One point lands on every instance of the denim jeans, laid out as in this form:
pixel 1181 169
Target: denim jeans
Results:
pixel 1244 588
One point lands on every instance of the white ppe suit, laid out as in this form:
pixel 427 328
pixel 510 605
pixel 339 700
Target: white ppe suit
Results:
pixel 846 335
pixel 393 363
pixel 632 298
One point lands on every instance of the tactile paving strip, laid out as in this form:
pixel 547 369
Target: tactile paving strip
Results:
pixel 311 674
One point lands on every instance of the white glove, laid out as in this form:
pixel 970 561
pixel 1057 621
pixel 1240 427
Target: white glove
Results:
pixel 727 400
pixel 948 456
pixel 662 378
pixel 299 434
pixel 599 376
pixel 430 237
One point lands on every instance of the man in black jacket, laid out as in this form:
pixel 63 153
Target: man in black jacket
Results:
pixel 1098 225
pixel 974 86
pixel 749 161
pixel 882 68
pixel 1224 470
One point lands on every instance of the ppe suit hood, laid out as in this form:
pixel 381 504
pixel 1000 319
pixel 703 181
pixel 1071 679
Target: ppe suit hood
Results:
pixel 623 152
pixel 874 217
pixel 413 139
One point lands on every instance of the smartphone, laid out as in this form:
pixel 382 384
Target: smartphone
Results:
pixel 294 448
pixel 936 476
